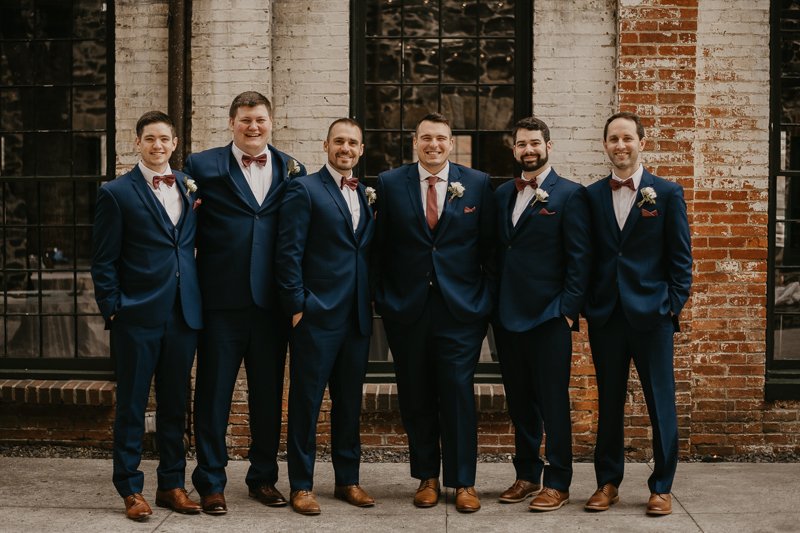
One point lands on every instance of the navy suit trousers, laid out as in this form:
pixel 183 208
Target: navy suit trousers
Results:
pixel 230 336
pixel 319 357
pixel 166 351
pixel 435 359
pixel 536 368
pixel 613 346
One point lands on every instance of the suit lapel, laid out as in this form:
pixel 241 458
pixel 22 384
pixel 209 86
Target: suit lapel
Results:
pixel 506 206
pixel 549 183
pixel 149 199
pixel 338 197
pixel 279 176
pixel 449 207
pixel 366 213
pixel 416 196
pixel 636 212
pixel 608 207
pixel 233 176
pixel 185 203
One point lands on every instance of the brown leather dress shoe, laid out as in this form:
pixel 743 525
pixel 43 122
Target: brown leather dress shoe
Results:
pixel 602 498
pixel 520 490
pixel 354 495
pixel 136 508
pixel 304 502
pixel 214 503
pixel 549 500
pixel 268 495
pixel 177 500
pixel 428 493
pixel 467 500
pixel 659 504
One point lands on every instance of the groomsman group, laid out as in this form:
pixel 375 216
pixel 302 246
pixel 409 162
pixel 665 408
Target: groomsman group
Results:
pixel 284 258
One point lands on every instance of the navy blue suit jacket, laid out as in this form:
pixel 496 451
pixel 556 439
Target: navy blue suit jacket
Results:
pixel 235 236
pixel 321 263
pixel 139 259
pixel 648 264
pixel 545 259
pixel 460 251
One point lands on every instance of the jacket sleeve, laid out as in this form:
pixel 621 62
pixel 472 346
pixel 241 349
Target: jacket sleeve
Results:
pixel 487 240
pixel 576 236
pixel 294 221
pixel 678 244
pixel 378 239
pixel 106 247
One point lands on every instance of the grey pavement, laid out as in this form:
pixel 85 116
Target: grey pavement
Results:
pixel 65 495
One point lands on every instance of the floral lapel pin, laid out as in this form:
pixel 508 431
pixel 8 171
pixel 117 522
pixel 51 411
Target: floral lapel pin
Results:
pixel 456 190
pixel 540 196
pixel 190 185
pixel 648 196
pixel 293 166
pixel 371 195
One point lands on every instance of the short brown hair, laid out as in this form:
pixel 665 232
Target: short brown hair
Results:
pixel 250 99
pixel 627 115
pixel 345 120
pixel 532 124
pixel 154 117
pixel 433 117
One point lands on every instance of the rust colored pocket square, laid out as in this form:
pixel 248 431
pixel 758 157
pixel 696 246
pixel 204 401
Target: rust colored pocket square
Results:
pixel 546 212
pixel 646 213
pixel 196 204
pixel 469 209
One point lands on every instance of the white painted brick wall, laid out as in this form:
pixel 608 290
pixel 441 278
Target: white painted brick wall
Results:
pixel 311 74
pixel 231 53
pixel 140 70
pixel 574 81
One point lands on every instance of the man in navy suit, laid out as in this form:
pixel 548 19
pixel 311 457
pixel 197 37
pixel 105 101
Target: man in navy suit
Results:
pixel 326 226
pixel 436 274
pixel 639 284
pixel 544 254
pixel 145 283
pixel 241 187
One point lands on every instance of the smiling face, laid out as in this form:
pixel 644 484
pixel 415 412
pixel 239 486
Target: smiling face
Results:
pixel 343 147
pixel 433 143
pixel 623 145
pixel 251 129
pixel 530 150
pixel 156 146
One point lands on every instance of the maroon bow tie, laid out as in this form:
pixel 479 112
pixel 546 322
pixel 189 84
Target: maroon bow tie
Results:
pixel 617 184
pixel 521 184
pixel 350 182
pixel 247 160
pixel 168 179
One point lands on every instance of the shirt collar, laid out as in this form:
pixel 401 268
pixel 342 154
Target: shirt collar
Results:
pixel 238 153
pixel 150 174
pixel 443 174
pixel 636 176
pixel 541 177
pixel 336 175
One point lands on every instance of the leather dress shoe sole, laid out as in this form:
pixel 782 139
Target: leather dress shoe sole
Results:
pixel 167 505
pixel 273 504
pixel 429 504
pixel 611 502
pixel 517 500
pixel 559 506
pixel 344 499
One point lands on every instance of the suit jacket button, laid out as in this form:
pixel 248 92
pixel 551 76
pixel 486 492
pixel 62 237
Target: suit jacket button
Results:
pixel 428 274
pixel 256 217
pixel 434 248
pixel 509 247
pixel 620 254
pixel 177 274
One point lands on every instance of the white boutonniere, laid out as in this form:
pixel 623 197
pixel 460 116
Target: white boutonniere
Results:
pixel 456 190
pixel 190 185
pixel 648 196
pixel 293 166
pixel 540 196
pixel 371 195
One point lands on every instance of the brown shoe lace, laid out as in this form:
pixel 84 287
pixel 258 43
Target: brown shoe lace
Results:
pixel 605 489
pixel 553 493
pixel 427 484
pixel 468 490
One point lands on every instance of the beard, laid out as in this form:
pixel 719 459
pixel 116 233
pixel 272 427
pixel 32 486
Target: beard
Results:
pixel 536 164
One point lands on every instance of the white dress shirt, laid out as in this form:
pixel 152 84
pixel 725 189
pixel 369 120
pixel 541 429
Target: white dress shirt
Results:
pixel 169 197
pixel 624 198
pixel 259 178
pixel 441 187
pixel 525 197
pixel 350 196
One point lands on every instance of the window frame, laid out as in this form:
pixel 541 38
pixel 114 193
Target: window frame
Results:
pixel 782 379
pixel 487 372
pixel 64 368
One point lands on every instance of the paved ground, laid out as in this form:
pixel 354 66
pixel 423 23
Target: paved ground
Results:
pixel 64 495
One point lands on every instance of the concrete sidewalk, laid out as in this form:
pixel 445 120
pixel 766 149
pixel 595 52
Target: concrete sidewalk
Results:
pixel 64 495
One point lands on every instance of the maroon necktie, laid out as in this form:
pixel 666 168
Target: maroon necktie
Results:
pixel 350 182
pixel 168 179
pixel 521 184
pixel 617 184
pixel 247 160
pixel 431 205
